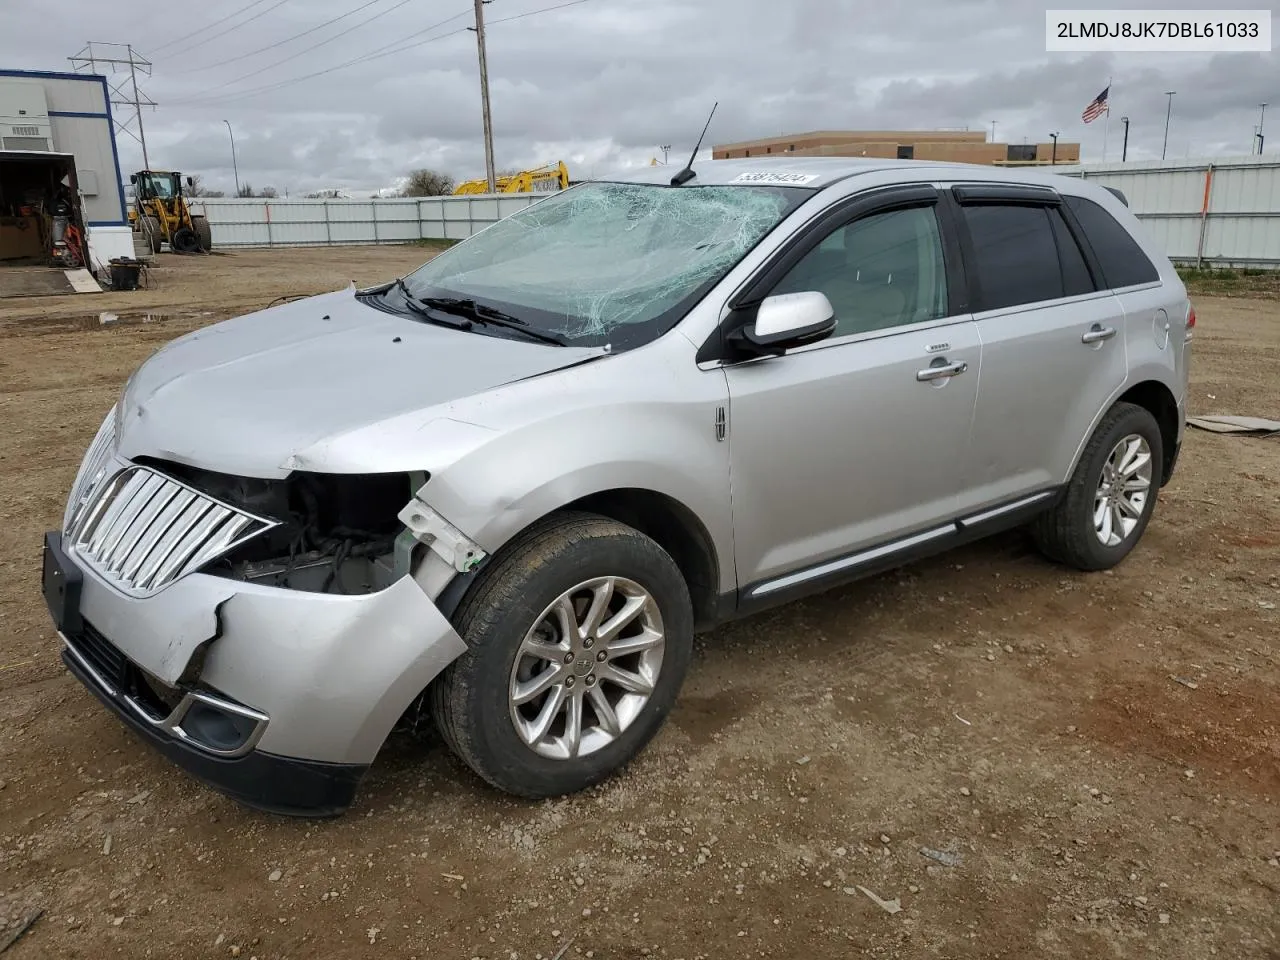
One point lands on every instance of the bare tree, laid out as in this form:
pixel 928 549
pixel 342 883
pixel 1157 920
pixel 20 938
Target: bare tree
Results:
pixel 198 189
pixel 246 190
pixel 427 183
pixel 269 193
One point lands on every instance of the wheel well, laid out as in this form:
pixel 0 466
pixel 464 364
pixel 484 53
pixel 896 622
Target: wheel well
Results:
pixel 1158 400
pixel 676 529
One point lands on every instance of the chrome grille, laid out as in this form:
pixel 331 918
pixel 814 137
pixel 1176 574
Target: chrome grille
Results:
pixel 143 530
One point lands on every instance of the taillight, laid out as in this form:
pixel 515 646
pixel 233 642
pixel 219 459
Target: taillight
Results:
pixel 1191 320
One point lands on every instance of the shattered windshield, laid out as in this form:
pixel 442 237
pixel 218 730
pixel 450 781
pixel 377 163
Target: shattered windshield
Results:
pixel 612 263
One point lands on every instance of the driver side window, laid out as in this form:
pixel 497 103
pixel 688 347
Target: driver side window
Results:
pixel 885 270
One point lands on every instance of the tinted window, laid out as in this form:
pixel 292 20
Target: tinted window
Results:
pixel 885 270
pixel 1122 261
pixel 1075 273
pixel 1015 255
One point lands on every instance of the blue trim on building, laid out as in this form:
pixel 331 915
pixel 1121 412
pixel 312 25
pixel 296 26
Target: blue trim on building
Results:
pixel 108 223
pixel 115 154
pixel 47 75
pixel 85 116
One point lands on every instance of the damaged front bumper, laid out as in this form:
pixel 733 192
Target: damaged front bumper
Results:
pixel 279 698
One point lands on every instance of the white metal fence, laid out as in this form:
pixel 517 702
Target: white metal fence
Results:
pixel 1223 211
pixel 296 223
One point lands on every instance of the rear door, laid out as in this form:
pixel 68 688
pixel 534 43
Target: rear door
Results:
pixel 1053 349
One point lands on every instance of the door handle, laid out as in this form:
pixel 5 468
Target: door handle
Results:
pixel 1097 334
pixel 941 371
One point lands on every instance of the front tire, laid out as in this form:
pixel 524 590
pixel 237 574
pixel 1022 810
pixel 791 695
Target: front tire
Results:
pixel 579 636
pixel 1111 495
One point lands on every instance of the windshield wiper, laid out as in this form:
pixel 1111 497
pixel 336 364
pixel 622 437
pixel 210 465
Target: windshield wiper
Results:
pixel 429 310
pixel 479 313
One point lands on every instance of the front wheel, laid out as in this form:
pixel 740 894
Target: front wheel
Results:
pixel 1111 495
pixel 579 636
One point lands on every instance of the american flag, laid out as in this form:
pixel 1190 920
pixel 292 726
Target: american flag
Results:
pixel 1097 107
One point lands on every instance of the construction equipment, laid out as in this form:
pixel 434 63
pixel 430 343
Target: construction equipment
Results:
pixel 160 213
pixel 546 179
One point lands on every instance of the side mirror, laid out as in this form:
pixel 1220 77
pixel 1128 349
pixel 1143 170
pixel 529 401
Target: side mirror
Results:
pixel 133 178
pixel 790 320
pixel 191 182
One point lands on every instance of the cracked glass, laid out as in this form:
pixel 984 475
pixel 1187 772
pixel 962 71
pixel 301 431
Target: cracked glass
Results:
pixel 608 263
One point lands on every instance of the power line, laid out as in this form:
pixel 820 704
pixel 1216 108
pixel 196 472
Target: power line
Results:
pixel 379 52
pixel 384 51
pixel 314 46
pixel 235 26
pixel 530 13
pixel 235 13
pixel 280 43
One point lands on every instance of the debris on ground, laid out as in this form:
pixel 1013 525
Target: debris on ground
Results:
pixel 20 929
pixel 888 906
pixel 942 856
pixel 1250 426
pixel 1189 684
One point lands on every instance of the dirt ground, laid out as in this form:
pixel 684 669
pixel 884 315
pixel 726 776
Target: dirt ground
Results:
pixel 1094 760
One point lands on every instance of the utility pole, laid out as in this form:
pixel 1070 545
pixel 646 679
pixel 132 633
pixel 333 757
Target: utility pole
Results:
pixel 484 97
pixel 1262 116
pixel 1167 114
pixel 993 131
pixel 235 169
pixel 666 150
pixel 115 58
pixel 1053 159
pixel 1124 148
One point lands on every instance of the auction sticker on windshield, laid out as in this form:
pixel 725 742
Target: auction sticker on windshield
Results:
pixel 765 176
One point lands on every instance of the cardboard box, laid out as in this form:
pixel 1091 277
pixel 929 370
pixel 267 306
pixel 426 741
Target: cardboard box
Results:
pixel 20 238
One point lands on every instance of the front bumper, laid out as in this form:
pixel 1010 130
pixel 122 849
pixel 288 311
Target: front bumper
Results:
pixel 291 694
pixel 264 781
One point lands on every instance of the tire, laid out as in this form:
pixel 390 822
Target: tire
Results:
pixel 184 240
pixel 472 701
pixel 204 233
pixel 152 232
pixel 1068 533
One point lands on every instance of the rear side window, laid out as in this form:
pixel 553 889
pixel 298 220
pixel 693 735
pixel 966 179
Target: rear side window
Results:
pixel 1076 279
pixel 1015 255
pixel 1122 261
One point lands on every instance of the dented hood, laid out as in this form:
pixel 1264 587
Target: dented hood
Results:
pixel 248 395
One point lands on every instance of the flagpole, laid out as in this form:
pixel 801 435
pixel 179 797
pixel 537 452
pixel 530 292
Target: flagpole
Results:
pixel 1106 124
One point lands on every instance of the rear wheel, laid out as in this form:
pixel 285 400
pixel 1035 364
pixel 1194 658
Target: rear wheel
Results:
pixel 203 232
pixel 578 638
pixel 152 233
pixel 1110 497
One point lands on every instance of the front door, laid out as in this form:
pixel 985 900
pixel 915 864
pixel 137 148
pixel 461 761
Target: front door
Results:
pixel 856 443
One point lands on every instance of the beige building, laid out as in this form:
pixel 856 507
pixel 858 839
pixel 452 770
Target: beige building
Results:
pixel 956 146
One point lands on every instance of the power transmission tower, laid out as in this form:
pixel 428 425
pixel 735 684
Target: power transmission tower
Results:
pixel 120 65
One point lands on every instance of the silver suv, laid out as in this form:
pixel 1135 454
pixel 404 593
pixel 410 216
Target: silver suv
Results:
pixel 506 489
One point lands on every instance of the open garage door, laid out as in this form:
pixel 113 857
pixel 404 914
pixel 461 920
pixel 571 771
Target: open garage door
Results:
pixel 42 228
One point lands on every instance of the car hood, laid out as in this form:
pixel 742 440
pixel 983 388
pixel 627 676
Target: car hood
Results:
pixel 247 396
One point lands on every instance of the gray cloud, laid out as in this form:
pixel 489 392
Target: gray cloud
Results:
pixel 601 84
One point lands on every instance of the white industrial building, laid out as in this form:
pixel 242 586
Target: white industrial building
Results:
pixel 56 129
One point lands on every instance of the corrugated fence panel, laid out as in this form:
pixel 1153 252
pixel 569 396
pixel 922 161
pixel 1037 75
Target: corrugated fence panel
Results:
pixel 289 222
pixel 1240 226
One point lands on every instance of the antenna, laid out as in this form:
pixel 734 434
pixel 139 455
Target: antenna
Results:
pixel 687 174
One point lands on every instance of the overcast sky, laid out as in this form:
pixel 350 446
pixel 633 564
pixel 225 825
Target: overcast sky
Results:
pixel 602 83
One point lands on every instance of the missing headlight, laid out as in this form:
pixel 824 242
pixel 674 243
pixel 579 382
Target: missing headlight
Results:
pixel 337 532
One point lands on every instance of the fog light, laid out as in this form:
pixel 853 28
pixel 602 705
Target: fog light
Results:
pixel 217 729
